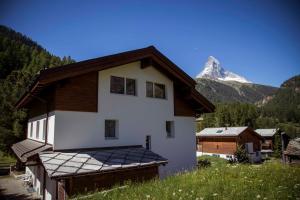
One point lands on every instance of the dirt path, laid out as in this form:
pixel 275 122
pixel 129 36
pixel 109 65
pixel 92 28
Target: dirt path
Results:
pixel 11 189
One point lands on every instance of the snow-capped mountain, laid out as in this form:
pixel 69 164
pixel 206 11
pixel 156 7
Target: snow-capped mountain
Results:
pixel 213 70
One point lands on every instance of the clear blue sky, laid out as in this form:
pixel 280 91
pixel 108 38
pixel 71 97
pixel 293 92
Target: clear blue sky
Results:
pixel 256 39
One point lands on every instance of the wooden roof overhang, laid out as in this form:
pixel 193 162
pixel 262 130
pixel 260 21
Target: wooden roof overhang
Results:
pixel 147 56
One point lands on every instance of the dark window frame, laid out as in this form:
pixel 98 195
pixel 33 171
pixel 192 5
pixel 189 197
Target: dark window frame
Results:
pixel 111 125
pixel 170 129
pixel 134 86
pixel 149 86
pixel 114 85
pixel 152 90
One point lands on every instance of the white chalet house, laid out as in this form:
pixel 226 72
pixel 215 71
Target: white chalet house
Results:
pixel 106 120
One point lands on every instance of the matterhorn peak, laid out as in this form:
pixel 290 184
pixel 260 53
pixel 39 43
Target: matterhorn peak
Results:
pixel 213 70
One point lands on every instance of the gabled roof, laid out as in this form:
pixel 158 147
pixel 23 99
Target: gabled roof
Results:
pixel 148 56
pixel 222 131
pixel 28 148
pixel 266 132
pixel 103 160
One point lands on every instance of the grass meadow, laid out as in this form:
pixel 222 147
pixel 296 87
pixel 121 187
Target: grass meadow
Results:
pixel 270 180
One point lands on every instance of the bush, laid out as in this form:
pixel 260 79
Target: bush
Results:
pixel 241 155
pixel 204 163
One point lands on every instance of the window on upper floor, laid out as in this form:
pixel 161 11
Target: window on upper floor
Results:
pixel 130 86
pixel 170 129
pixel 149 89
pixel 44 128
pixel 117 85
pixel 120 85
pixel 111 129
pixel 37 129
pixel 155 90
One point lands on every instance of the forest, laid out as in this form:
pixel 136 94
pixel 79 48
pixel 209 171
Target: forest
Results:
pixel 21 59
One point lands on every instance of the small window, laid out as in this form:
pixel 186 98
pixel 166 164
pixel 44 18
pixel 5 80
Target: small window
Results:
pixel 37 129
pixel 130 86
pixel 117 85
pixel 110 129
pixel 170 129
pixel 44 128
pixel 149 89
pixel 159 91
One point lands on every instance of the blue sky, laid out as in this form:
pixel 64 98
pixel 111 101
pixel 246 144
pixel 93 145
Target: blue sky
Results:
pixel 256 39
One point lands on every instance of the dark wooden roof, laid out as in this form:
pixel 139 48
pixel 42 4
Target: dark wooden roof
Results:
pixel 148 56
pixel 28 148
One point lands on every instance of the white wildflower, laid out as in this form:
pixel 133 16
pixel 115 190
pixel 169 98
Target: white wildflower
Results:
pixel 174 193
pixel 147 196
pixel 215 194
pixel 258 196
pixel 180 190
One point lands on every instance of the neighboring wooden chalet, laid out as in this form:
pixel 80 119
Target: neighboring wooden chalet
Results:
pixel 292 152
pixel 103 121
pixel 267 147
pixel 223 142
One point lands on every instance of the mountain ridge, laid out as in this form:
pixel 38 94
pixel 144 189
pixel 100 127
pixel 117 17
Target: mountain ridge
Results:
pixel 214 71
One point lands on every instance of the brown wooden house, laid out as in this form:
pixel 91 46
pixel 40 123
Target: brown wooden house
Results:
pixel 223 142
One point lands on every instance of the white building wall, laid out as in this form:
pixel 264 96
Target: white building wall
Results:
pixel 137 117
pixel 41 118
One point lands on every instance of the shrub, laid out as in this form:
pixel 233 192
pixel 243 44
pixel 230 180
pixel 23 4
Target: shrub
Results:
pixel 204 163
pixel 241 155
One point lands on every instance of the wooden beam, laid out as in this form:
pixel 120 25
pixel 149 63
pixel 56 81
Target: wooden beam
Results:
pixel 146 62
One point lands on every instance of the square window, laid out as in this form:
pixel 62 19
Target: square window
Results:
pixel 130 86
pixel 117 85
pixel 149 89
pixel 110 129
pixel 170 129
pixel 159 91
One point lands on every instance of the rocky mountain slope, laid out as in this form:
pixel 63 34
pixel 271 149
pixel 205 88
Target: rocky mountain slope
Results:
pixel 220 85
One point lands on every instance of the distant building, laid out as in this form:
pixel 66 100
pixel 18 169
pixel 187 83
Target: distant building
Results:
pixel 267 147
pixel 292 152
pixel 223 142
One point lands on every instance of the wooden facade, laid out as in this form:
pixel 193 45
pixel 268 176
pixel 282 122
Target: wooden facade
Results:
pixel 83 184
pixel 228 145
pixel 79 93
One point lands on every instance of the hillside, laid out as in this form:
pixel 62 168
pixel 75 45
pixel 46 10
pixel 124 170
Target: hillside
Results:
pixel 20 60
pixel 219 181
pixel 232 91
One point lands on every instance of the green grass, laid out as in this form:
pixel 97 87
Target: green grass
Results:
pixel 271 180
pixel 6 159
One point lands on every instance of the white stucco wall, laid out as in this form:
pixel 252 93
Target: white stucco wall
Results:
pixel 33 122
pixel 137 117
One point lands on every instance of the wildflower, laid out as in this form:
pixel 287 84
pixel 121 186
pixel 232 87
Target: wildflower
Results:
pixel 215 194
pixel 147 196
pixel 258 196
pixel 265 198
pixel 174 193
pixel 180 190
